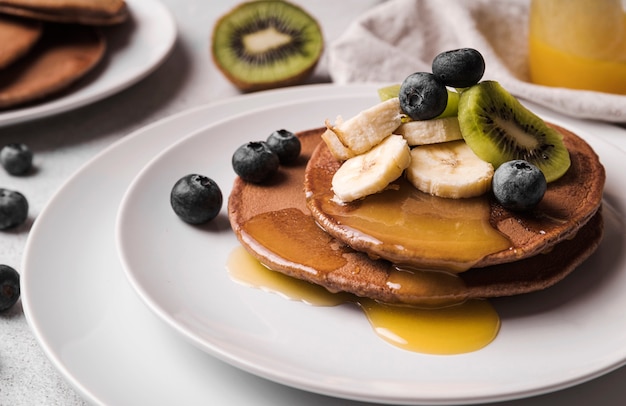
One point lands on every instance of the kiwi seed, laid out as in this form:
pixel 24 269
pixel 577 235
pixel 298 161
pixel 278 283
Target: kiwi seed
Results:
pixel 266 44
pixel 498 128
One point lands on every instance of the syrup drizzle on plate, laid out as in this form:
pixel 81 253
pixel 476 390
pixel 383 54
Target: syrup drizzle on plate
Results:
pixel 453 328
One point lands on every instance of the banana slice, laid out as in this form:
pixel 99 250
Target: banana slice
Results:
pixel 362 132
pixel 339 151
pixel 430 131
pixel 450 170
pixel 372 171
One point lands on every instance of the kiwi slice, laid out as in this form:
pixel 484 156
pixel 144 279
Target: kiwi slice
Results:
pixel 498 128
pixel 388 92
pixel 265 44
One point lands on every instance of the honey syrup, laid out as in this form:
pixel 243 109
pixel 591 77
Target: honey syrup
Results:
pixel 453 328
pixel 402 222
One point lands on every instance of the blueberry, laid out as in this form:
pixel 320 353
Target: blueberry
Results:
pixel 422 97
pixel 9 287
pixel 459 68
pixel 518 185
pixel 255 162
pixel 196 199
pixel 16 158
pixel 285 144
pixel 13 208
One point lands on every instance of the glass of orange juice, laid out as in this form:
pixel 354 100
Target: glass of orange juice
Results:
pixel 579 44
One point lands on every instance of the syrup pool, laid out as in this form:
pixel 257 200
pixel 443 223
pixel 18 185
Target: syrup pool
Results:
pixel 403 223
pixel 453 328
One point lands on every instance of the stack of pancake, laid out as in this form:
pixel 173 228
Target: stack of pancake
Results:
pixel 47 45
pixel 287 225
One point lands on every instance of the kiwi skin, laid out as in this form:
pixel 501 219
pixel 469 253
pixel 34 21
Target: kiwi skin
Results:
pixel 498 128
pixel 259 13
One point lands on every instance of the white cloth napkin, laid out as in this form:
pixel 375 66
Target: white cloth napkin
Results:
pixel 400 37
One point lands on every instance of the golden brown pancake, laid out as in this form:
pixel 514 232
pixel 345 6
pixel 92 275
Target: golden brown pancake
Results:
pixel 567 205
pixel 273 223
pixel 89 12
pixel 17 36
pixel 62 56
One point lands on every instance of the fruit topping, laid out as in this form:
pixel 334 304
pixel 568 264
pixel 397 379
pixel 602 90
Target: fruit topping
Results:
pixel 265 44
pixel 452 106
pixel 498 128
pixel 255 161
pixel 9 287
pixel 518 185
pixel 13 208
pixel 372 171
pixel 430 131
pixel 16 159
pixel 196 199
pixel 456 137
pixel 285 144
pixel 362 132
pixel 422 96
pixel 449 170
pixel 459 68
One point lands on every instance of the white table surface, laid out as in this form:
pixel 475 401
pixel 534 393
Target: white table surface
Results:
pixel 63 143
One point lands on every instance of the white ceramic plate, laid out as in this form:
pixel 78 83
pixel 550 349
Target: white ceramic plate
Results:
pixel 134 50
pixel 84 314
pixel 549 340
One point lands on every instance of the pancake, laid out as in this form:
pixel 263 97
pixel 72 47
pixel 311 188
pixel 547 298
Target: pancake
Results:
pixel 567 205
pixel 17 37
pixel 89 12
pixel 275 226
pixel 64 54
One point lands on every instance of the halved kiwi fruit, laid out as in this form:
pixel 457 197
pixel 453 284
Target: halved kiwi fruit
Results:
pixel 265 44
pixel 498 128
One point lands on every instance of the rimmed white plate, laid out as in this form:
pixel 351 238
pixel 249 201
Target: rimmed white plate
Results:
pixel 549 340
pixel 134 50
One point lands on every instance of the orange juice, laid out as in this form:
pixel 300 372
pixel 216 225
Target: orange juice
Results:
pixel 578 44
